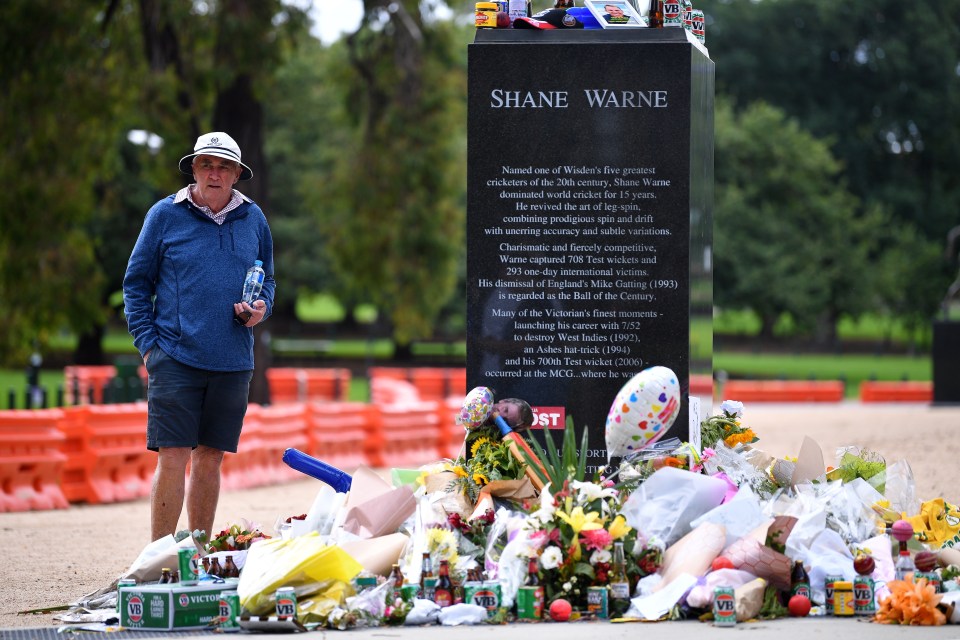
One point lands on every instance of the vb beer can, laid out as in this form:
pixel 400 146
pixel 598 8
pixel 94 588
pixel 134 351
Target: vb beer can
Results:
pixel 828 583
pixel 286 602
pixel 229 611
pixel 864 603
pixel 932 578
pixel 188 563
pixel 724 607
pixel 124 583
pixel 697 24
pixel 485 594
pixel 672 10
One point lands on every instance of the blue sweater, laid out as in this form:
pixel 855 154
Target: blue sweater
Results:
pixel 183 278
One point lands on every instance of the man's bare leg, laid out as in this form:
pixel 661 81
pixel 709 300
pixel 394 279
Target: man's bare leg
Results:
pixel 166 497
pixel 204 490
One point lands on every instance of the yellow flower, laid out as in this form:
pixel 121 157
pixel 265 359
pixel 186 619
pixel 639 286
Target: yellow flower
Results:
pixel 619 528
pixel 460 472
pixel 443 543
pixel 481 479
pixel 479 442
pixel 580 521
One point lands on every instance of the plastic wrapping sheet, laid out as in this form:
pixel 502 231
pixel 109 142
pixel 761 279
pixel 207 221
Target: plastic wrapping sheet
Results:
pixel 306 563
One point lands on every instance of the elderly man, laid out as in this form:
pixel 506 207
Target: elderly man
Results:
pixel 180 293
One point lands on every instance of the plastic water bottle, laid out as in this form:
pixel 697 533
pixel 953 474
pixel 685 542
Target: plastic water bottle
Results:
pixel 253 283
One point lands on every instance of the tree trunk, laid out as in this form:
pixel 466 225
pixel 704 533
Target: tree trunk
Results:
pixel 825 336
pixel 767 322
pixel 89 349
pixel 238 112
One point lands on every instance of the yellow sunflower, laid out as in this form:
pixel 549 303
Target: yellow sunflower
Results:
pixel 480 479
pixel 479 442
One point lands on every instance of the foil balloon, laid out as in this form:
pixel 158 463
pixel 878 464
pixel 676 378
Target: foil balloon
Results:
pixel 477 406
pixel 643 411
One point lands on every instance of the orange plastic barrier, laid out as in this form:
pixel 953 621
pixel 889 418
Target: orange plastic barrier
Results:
pixel 73 475
pixel 305 385
pixel 430 383
pixel 117 465
pixel 81 381
pixel 451 433
pixel 784 390
pixel 281 427
pixel 389 391
pixel 248 467
pixel 439 384
pixel 880 391
pixel 403 435
pixel 30 460
pixel 338 431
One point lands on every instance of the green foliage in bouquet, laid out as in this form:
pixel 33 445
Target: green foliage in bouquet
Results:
pixel 725 427
pixel 868 465
pixel 233 538
pixel 486 459
pixel 564 465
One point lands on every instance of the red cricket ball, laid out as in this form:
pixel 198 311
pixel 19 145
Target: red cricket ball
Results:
pixel 560 610
pixel 799 606
pixel 503 20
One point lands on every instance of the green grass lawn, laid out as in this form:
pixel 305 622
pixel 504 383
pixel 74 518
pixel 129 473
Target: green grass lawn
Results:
pixel 867 328
pixel 852 369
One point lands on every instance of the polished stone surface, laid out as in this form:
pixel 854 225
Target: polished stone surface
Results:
pixel 589 216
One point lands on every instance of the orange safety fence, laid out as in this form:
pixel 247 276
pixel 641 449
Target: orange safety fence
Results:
pixel 307 384
pixel 403 435
pixel 386 390
pixel 116 463
pixel 282 426
pixel 248 467
pixel 337 433
pixel 784 390
pixel 30 460
pixel 451 434
pixel 431 383
pixel 888 391
pixel 73 475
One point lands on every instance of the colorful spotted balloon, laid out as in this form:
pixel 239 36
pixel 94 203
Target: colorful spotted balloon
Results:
pixel 476 408
pixel 643 411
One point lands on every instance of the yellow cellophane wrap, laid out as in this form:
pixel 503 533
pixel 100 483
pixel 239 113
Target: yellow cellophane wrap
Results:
pixel 303 562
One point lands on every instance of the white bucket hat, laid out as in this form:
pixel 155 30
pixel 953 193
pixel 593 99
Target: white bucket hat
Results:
pixel 217 144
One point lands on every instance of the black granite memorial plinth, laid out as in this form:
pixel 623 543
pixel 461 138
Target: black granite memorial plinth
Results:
pixel 589 216
pixel 946 363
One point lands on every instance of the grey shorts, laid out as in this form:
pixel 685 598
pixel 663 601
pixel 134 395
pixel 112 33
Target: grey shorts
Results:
pixel 187 407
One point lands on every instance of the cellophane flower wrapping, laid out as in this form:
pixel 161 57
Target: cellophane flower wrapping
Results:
pixel 305 563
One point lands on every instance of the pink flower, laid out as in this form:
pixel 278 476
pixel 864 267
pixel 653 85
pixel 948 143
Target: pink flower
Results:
pixel 596 539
